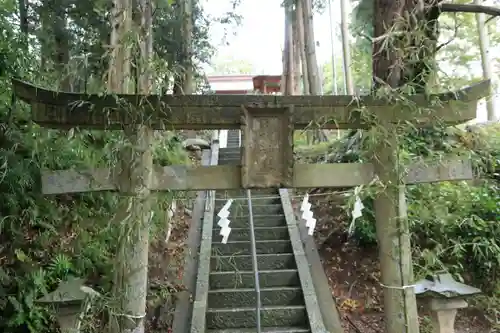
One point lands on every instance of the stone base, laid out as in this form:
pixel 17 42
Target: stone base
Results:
pixel 443 313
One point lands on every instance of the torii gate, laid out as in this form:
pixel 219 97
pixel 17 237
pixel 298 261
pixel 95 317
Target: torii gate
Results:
pixel 268 122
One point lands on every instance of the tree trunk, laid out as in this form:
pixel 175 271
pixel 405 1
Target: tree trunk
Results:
pixel 187 47
pixel 54 41
pixel 314 81
pixel 310 48
pixel 484 45
pixel 135 174
pixel 61 47
pixel 119 64
pixel 287 76
pixel 299 13
pixel 306 89
pixel 335 90
pixel 414 67
pixel 385 17
pixel 346 47
pixel 295 53
pixel 23 16
pixel 42 36
pixel 185 84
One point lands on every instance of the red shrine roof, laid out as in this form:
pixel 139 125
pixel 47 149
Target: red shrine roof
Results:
pixel 267 83
pixel 262 83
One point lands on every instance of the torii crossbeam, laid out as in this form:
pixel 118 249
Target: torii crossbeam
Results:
pixel 268 122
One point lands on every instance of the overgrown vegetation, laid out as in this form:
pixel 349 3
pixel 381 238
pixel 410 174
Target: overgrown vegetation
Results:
pixel 46 239
pixel 454 226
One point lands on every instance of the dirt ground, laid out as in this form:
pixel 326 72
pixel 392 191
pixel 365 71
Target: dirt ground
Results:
pixel 166 267
pixel 353 274
pixel 166 263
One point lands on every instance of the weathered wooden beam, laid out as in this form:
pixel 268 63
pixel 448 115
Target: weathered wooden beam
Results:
pixel 225 177
pixel 64 110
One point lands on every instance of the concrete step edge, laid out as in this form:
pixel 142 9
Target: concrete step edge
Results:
pixel 263 308
pixel 288 270
pixel 258 241
pixel 255 228
pixel 236 290
pixel 282 329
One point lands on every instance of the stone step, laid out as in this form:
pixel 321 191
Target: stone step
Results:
pixel 271 316
pixel 241 194
pixel 229 159
pixel 244 262
pixel 228 162
pixel 261 233
pixel 258 221
pixel 246 279
pixel 242 201
pixel 231 150
pixel 282 329
pixel 238 209
pixel 244 247
pixel 231 298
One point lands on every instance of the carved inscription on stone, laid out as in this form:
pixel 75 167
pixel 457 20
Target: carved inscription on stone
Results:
pixel 267 158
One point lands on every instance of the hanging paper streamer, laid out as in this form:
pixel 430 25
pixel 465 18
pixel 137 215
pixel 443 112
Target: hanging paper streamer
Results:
pixel 356 211
pixel 224 221
pixel 307 215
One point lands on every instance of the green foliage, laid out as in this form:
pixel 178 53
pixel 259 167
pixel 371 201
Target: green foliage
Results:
pixel 454 226
pixel 46 239
pixel 360 65
pixel 88 33
pixel 361 25
pixel 457 53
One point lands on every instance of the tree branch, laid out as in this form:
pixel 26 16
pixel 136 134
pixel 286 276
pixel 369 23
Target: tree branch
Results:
pixel 470 8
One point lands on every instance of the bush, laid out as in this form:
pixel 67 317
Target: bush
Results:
pixel 454 226
pixel 44 240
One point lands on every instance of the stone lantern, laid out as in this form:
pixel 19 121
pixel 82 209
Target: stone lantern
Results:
pixel 195 146
pixel 443 296
pixel 72 300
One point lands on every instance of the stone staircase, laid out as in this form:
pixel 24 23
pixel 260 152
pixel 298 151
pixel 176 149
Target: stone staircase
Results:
pixel 231 301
